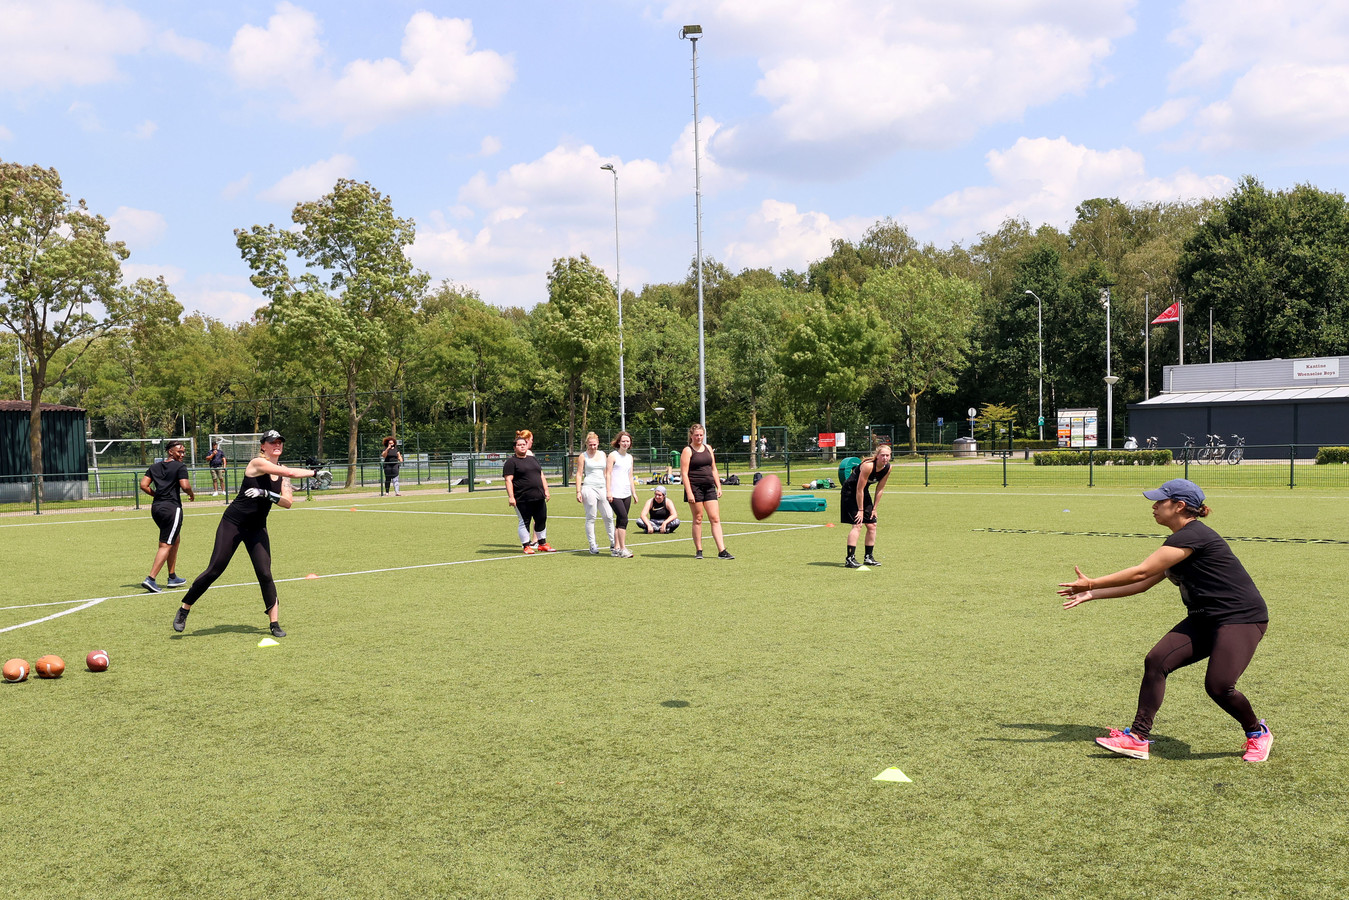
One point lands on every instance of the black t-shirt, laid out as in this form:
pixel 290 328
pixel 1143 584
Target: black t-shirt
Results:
pixel 164 476
pixel 216 458
pixel 1212 581
pixel 391 460
pixel 874 478
pixel 660 510
pixel 528 475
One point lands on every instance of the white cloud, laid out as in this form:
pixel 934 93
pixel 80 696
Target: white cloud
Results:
pixel 1043 181
pixel 137 228
pixel 229 298
pixel 1168 115
pixel 439 68
pixel 860 78
pixel 54 43
pixel 778 236
pixel 237 187
pixel 1278 71
pixel 491 146
pixel 84 116
pixel 132 272
pixel 312 181
pixel 6 134
pixel 145 130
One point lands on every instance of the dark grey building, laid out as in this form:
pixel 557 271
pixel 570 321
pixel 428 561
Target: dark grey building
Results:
pixel 1274 404
pixel 65 453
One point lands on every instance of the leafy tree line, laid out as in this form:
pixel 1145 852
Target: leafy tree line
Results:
pixel 877 327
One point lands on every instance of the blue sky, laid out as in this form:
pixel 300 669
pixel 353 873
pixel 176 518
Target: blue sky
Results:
pixel 487 122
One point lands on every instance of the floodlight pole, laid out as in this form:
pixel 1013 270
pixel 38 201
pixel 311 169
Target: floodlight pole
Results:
pixel 691 33
pixel 1040 329
pixel 618 289
pixel 1109 378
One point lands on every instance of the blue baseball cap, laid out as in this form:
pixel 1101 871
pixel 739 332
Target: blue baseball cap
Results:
pixel 1179 489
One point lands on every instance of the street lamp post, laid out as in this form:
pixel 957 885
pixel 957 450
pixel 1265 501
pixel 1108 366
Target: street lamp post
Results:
pixel 618 288
pixel 1110 380
pixel 1040 330
pixel 692 33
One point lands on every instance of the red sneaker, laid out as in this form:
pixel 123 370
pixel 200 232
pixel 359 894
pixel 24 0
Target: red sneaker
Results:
pixel 1125 744
pixel 1257 747
pixel 528 550
pixel 544 548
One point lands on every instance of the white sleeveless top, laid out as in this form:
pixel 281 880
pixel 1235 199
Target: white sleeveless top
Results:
pixel 620 482
pixel 594 471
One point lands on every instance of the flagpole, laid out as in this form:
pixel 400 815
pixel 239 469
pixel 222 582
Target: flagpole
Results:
pixel 1180 311
pixel 1147 344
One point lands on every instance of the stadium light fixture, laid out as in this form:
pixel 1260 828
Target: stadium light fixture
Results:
pixel 692 33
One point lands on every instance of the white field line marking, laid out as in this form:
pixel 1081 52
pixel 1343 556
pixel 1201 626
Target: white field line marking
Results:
pixel 86 604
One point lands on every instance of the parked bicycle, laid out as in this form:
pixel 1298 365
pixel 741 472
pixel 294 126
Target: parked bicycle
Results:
pixel 1238 451
pixel 1214 450
pixel 1152 443
pixel 1189 446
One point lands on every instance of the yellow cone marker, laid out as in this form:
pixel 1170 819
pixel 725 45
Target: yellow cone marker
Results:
pixel 268 642
pixel 892 774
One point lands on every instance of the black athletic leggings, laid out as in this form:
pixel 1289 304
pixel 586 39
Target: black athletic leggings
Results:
pixel 1228 648
pixel 621 506
pixel 228 537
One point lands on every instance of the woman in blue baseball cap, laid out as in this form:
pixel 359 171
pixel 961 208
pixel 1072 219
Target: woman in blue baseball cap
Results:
pixel 1226 618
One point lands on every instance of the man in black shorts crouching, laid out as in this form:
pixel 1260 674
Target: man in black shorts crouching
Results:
pixel 166 480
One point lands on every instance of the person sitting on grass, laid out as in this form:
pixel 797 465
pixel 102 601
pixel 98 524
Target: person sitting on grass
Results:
pixel 658 515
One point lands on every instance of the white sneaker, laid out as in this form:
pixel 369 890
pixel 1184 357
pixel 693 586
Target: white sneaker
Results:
pixel 615 554
pixel 627 554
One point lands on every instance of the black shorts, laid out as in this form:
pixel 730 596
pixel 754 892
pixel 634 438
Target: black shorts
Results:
pixel 848 507
pixel 169 518
pixel 698 492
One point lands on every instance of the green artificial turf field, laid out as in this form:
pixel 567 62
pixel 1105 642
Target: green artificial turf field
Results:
pixel 449 718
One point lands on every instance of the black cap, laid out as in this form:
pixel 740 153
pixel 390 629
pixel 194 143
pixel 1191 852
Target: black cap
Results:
pixel 272 437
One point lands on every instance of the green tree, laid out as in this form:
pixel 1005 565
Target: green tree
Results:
pixel 1274 269
pixel 927 318
pixel 751 331
pixel 577 330
pixel 55 263
pixel 832 350
pixel 355 293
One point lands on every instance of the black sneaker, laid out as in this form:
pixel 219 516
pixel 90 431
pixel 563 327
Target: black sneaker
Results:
pixel 851 563
pixel 175 581
pixel 869 560
pixel 725 554
pixel 276 630
pixel 149 585
pixel 697 554
pixel 180 620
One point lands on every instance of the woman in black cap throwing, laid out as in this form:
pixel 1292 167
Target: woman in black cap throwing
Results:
pixel 1226 618
pixel 265 482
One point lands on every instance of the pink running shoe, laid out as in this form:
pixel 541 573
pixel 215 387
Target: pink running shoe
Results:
pixel 1257 747
pixel 1125 744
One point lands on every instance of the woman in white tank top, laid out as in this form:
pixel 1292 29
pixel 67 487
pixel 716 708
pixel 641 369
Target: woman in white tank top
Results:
pixel 591 488
pixel 622 484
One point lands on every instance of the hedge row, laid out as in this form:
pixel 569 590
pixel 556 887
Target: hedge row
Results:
pixel 1327 455
pixel 1104 458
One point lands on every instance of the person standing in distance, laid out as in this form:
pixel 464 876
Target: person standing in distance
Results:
pixel 590 490
pixel 702 490
pixel 1226 618
pixel 620 486
pixel 166 481
pixel 859 507
pixel 265 482
pixel 527 493
pixel 215 460
pixel 393 459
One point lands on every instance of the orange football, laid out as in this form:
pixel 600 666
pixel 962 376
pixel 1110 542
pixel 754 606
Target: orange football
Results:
pixel 50 666
pixel 16 670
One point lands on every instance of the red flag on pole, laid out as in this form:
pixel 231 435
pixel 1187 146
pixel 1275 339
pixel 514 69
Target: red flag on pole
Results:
pixel 1170 314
